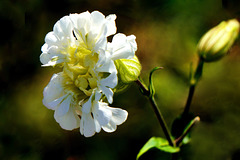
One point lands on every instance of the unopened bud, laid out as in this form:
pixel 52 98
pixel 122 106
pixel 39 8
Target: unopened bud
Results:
pixel 218 40
pixel 128 69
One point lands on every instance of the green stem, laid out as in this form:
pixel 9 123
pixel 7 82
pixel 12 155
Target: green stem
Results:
pixel 189 100
pixel 193 82
pixel 157 112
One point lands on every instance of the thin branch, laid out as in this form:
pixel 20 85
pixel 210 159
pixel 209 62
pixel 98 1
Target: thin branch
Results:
pixel 186 131
pixel 157 113
pixel 193 82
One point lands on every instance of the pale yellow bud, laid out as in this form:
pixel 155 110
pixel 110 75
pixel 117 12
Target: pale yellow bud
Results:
pixel 128 69
pixel 218 40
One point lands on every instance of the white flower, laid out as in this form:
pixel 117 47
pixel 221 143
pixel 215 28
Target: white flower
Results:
pixel 84 32
pixel 92 115
pixel 78 44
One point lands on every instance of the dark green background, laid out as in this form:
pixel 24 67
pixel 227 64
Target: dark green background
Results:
pixel 167 32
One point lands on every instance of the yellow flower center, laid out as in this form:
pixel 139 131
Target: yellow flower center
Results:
pixel 79 76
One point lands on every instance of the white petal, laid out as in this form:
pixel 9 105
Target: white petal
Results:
pixel 97 34
pixel 86 108
pixel 118 117
pixel 108 93
pixel 87 125
pixel 111 81
pixel 108 67
pixel 97 126
pixel 81 24
pixel 81 20
pixel 100 43
pixel 56 102
pixel 51 38
pixel 98 95
pixel 101 113
pixel 45 58
pixel 50 52
pixel 69 121
pixel 97 20
pixel 122 47
pixel 54 50
pixel 64 106
pixel 111 25
pixel 44 48
pixel 80 35
pixel 53 90
pixel 110 127
pixel 63 28
pixel 50 63
pixel 132 40
pixel 103 57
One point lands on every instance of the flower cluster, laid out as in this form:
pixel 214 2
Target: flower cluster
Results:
pixel 80 95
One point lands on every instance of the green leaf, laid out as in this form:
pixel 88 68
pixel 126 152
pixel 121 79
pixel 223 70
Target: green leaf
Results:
pixel 159 143
pixel 128 69
pixel 151 87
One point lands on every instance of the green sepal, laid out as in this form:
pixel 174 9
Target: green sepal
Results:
pixel 151 86
pixel 159 143
pixel 121 87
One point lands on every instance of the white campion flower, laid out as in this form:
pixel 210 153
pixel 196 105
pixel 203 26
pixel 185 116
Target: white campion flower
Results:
pixel 78 44
pixel 72 110
pixel 85 32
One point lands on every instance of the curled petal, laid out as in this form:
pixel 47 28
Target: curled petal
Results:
pixel 53 90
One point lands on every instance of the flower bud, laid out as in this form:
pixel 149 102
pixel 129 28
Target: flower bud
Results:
pixel 128 69
pixel 218 40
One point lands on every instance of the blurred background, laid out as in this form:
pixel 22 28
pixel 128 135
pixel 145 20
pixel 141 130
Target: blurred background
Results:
pixel 167 32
